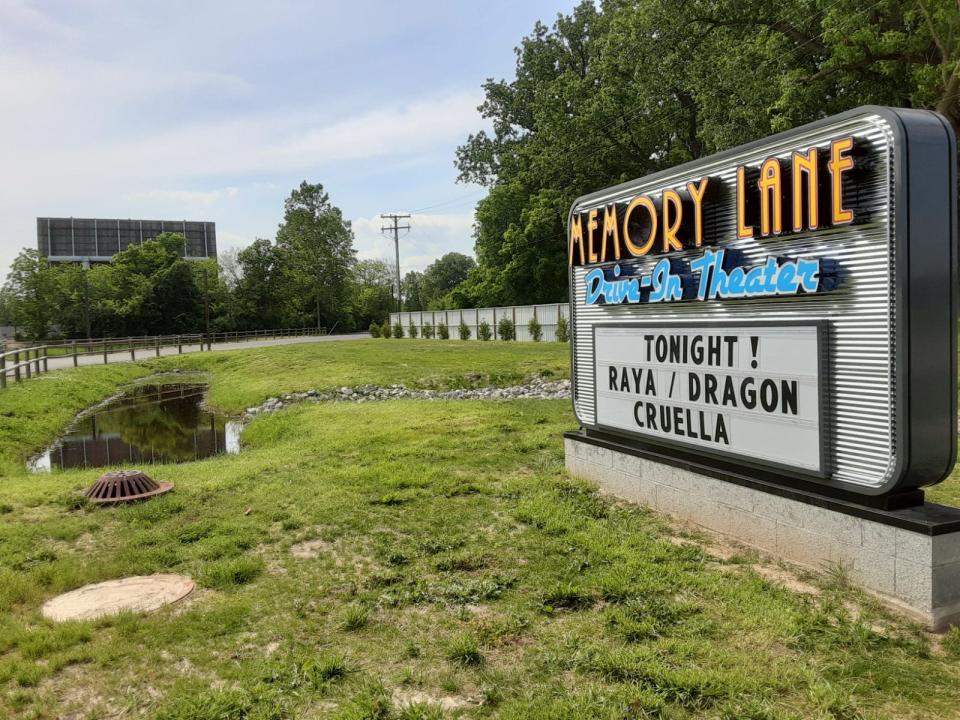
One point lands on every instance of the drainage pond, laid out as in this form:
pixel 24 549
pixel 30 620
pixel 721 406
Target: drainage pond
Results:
pixel 146 424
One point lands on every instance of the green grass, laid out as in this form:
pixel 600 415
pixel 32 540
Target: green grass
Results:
pixel 244 378
pixel 488 585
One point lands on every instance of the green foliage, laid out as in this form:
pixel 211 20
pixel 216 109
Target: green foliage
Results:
pixel 412 330
pixel 563 330
pixel 618 90
pixel 370 293
pixel 317 246
pixel 465 650
pixel 506 330
pixel 483 331
pixel 532 593
pixel 224 574
pixel 464 330
pixel 442 276
pixel 535 329
pixel 31 293
pixel 443 332
pixel 375 329
pixel 385 329
pixel 427 331
pixel 308 277
pixel 148 289
pixel 397 330
pixel 951 642
pixel 355 617
pixel 413 291
pixel 207 705
pixel 429 290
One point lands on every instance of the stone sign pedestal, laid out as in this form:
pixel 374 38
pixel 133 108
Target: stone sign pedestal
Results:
pixel 909 557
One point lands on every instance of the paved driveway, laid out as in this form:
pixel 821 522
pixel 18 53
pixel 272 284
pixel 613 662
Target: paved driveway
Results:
pixel 66 361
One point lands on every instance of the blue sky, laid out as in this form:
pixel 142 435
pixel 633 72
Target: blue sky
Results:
pixel 215 110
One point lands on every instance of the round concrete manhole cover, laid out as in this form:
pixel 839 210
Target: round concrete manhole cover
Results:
pixel 144 593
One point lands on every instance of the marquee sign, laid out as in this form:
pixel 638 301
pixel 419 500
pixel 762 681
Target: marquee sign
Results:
pixel 786 309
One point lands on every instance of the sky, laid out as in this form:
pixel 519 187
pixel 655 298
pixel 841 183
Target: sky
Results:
pixel 209 110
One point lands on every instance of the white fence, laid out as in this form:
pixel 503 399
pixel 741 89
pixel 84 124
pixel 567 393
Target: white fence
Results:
pixel 546 315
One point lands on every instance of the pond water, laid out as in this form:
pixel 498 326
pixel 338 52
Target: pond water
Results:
pixel 146 424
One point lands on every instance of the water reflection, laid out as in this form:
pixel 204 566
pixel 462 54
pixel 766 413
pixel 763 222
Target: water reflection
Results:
pixel 147 424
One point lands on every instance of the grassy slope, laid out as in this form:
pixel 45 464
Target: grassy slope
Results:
pixel 455 561
pixel 33 412
pixel 241 379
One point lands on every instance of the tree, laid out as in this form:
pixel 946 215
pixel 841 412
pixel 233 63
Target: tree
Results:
pixel 372 292
pixel 317 247
pixel 444 274
pixel 231 269
pixel 259 297
pixel 412 291
pixel 31 294
pixel 154 290
pixel 610 94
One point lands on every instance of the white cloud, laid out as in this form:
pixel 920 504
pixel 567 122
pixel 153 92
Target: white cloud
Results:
pixel 186 198
pixel 430 237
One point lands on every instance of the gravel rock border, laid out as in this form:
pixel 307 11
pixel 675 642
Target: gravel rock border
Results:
pixel 536 388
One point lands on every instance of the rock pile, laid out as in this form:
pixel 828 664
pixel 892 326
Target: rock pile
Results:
pixel 536 388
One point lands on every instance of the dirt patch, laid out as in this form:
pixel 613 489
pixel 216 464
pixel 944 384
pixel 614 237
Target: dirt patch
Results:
pixel 311 549
pixel 406 698
pixel 785 578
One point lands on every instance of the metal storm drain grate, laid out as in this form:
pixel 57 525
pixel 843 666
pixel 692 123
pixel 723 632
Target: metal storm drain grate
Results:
pixel 125 486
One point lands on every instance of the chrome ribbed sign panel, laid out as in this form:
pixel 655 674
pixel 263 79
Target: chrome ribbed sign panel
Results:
pixel 847 226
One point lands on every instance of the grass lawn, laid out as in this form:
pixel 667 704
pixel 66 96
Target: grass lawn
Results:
pixel 444 566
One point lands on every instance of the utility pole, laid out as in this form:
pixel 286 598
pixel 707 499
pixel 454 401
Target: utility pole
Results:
pixel 396 228
pixel 86 300
pixel 206 308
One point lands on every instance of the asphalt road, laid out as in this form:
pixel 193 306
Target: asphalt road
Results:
pixel 66 361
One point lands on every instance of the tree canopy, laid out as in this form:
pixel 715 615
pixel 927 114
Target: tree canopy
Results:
pixel 629 87
pixel 308 277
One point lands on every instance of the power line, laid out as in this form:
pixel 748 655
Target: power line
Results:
pixel 395 218
pixel 453 201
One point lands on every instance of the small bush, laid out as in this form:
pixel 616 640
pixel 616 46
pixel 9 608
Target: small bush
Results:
pixel 398 330
pixel 427 331
pixel 412 329
pixel 506 329
pixel 464 331
pixel 535 329
pixel 483 331
pixel 442 331
pixel 374 329
pixel 563 330
pixel 385 329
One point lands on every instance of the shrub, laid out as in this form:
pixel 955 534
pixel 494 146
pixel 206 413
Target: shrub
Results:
pixel 412 330
pixel 483 331
pixel 428 331
pixel 442 331
pixel 506 329
pixel 563 330
pixel 398 330
pixel 536 330
pixel 464 331
pixel 385 329
pixel 374 329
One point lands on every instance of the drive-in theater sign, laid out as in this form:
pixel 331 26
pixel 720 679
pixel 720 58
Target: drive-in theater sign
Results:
pixel 786 309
